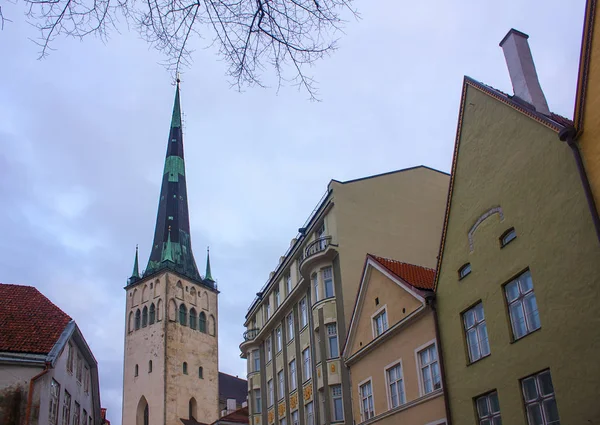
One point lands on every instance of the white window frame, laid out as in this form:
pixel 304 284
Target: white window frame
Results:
pixel 333 399
pixel 329 268
pixel 293 375
pixel 54 402
pixel 267 310
pixel 490 415
pixel 520 301
pixel 419 368
pixel 278 339
pixel 288 283
pixel 70 356
pixel 309 410
pixel 271 392
pixel 295 417
pixel 277 298
pixel 476 327
pixel 329 338
pixel 66 410
pixel 280 384
pixel 306 365
pixel 314 280
pixel 257 401
pixel 290 325
pixel 255 361
pixel 303 305
pixel 388 384
pixel 363 417
pixel 282 421
pixel 540 399
pixel 381 312
pixel 269 348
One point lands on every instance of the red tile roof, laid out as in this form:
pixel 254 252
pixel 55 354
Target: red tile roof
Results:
pixel 29 322
pixel 240 416
pixel 417 276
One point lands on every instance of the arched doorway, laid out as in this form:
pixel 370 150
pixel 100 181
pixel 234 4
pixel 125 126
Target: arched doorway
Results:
pixel 142 416
pixel 193 408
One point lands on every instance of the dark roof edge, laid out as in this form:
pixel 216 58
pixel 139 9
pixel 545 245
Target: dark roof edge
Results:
pixel 584 62
pixel 513 31
pixel 389 172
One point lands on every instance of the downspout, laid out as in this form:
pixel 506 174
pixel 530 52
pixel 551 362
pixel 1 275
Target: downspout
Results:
pixel 30 395
pixel 431 301
pixel 568 134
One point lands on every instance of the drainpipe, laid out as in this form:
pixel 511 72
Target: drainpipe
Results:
pixel 568 134
pixel 30 395
pixel 431 301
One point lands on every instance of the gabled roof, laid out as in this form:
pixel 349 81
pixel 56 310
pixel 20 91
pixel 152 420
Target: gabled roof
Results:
pixel 416 280
pixel 584 62
pixel 240 416
pixel 552 121
pixel 29 322
pixel 232 387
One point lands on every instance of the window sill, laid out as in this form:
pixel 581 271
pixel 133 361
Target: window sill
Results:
pixel 525 336
pixel 479 359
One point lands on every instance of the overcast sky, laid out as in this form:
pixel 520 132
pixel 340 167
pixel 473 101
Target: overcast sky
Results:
pixel 83 135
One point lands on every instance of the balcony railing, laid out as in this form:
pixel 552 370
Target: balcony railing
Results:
pixel 317 246
pixel 250 334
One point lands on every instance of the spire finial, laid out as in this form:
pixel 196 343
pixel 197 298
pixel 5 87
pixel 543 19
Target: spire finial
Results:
pixel 208 275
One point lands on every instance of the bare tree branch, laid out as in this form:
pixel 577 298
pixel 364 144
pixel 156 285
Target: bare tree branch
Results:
pixel 288 35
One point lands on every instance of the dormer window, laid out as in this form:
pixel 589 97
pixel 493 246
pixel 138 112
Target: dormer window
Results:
pixel 464 271
pixel 507 237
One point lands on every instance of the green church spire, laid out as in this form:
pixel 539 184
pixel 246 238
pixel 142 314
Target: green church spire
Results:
pixel 136 269
pixel 208 275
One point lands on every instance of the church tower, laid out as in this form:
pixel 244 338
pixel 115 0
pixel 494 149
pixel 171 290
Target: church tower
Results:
pixel 170 374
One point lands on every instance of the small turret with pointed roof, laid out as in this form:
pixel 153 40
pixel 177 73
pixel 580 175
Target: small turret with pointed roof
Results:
pixel 208 275
pixel 172 245
pixel 135 275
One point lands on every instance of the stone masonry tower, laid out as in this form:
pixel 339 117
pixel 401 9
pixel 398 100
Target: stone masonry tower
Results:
pixel 170 374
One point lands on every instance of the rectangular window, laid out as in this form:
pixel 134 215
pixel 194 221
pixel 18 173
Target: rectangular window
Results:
pixel 256 358
pixel 267 311
pixel 476 333
pixel 79 368
pixel 277 298
pixel 367 411
pixel 293 378
pixel 86 380
pixel 522 305
pixel 76 413
pixel 278 339
pixel 396 385
pixel 295 419
pixel 288 283
pixel 310 414
pixel 328 282
pixel 333 341
pixel 280 384
pixel 540 403
pixel 315 283
pixel 430 369
pixel 271 392
pixel 70 358
pixel 84 416
pixel 488 409
pixel 306 366
pixel 303 313
pixel 290 324
pixel 337 404
pixel 66 413
pixel 282 421
pixel 53 411
pixel 268 349
pixel 380 323
pixel 257 401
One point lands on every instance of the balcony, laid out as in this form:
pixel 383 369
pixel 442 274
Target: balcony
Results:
pixel 319 250
pixel 250 334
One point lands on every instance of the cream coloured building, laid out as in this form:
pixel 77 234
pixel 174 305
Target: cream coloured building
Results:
pixel 298 323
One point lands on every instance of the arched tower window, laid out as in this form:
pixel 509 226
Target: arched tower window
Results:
pixel 193 318
pixel 150 366
pixel 200 373
pixel 185 372
pixel 159 310
pixel 211 325
pixel 142 416
pixel 152 313
pixel 145 317
pixel 136 371
pixel 183 315
pixel 193 408
pixel 137 319
pixel 172 310
pixel 202 322
pixel 145 293
pixel 205 301
pixel 130 321
pixel 179 290
pixel 134 299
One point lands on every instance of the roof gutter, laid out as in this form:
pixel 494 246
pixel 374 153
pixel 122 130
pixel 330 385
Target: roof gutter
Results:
pixel 568 135
pixel 431 300
pixel 30 395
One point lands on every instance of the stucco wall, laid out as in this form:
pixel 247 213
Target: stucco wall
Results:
pixel 506 159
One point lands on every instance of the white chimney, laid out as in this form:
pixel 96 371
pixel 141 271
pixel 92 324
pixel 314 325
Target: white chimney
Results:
pixel 231 405
pixel 522 70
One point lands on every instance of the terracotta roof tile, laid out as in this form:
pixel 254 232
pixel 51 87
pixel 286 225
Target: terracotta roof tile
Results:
pixel 29 322
pixel 417 276
pixel 240 416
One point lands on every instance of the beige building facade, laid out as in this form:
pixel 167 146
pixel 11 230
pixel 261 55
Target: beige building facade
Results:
pixel 298 323
pixel 391 349
pixel 519 274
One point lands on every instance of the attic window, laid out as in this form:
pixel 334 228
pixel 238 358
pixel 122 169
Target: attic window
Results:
pixel 464 271
pixel 507 237
pixel 377 301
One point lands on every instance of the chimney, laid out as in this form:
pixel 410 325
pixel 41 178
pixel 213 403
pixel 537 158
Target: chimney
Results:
pixel 522 70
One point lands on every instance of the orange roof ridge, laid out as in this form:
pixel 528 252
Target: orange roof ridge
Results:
pixel 417 276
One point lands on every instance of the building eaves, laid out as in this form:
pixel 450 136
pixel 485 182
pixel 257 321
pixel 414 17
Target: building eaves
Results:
pixel 388 173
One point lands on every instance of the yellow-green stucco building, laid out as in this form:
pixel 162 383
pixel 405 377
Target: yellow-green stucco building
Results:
pixel 518 282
